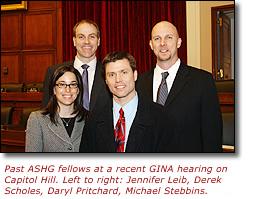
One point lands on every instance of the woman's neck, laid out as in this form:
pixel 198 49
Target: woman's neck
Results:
pixel 66 111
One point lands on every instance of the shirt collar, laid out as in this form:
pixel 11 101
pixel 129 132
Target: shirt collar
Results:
pixel 128 107
pixel 172 70
pixel 78 63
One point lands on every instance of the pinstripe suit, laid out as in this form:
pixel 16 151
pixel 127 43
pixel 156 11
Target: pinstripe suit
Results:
pixel 44 136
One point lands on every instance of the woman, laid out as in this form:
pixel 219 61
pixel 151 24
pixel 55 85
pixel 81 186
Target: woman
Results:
pixel 58 127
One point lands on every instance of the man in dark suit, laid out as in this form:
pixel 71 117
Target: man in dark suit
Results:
pixel 107 130
pixel 191 104
pixel 86 39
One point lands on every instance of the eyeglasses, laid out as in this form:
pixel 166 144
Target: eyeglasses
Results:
pixel 71 86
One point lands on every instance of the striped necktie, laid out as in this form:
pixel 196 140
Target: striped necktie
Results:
pixel 162 90
pixel 85 86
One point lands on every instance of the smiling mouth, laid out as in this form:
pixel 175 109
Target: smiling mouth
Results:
pixel 119 87
pixel 163 51
pixel 67 96
pixel 86 47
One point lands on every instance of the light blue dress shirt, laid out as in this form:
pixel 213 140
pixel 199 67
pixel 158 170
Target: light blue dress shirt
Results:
pixel 129 113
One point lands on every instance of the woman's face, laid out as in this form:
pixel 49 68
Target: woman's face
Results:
pixel 66 89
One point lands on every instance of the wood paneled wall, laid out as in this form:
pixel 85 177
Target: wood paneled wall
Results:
pixel 31 40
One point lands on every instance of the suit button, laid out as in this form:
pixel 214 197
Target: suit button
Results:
pixel 70 148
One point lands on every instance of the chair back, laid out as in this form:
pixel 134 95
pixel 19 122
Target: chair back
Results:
pixel 33 87
pixel 25 114
pixel 225 86
pixel 12 87
pixel 6 115
pixel 228 128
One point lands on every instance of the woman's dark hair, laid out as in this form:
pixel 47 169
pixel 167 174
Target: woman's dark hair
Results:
pixel 53 106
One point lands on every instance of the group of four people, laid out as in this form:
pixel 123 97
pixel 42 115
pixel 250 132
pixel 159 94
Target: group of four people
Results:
pixel 106 107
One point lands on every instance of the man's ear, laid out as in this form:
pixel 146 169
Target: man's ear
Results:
pixel 135 75
pixel 151 45
pixel 179 42
pixel 74 42
pixel 98 43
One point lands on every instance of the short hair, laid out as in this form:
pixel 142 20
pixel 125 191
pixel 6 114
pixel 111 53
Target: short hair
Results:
pixel 88 21
pixel 52 105
pixel 119 55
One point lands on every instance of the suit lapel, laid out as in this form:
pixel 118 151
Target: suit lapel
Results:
pixel 138 127
pixel 78 126
pixel 97 85
pixel 105 130
pixel 179 82
pixel 149 85
pixel 59 130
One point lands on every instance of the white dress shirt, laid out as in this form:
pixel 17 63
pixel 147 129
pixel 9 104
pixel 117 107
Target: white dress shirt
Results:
pixel 157 77
pixel 129 113
pixel 91 70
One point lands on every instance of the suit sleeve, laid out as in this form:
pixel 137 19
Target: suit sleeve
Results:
pixel 34 142
pixel 211 119
pixel 87 139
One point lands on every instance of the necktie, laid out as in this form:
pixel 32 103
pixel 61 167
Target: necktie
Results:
pixel 85 86
pixel 120 132
pixel 162 90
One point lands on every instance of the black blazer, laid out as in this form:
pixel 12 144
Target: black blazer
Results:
pixel 98 134
pixel 99 92
pixel 192 111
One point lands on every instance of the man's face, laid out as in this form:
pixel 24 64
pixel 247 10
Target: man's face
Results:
pixel 165 42
pixel 120 79
pixel 86 42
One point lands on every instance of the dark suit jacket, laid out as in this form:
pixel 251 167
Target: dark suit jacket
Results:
pixel 98 134
pixel 192 111
pixel 99 92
